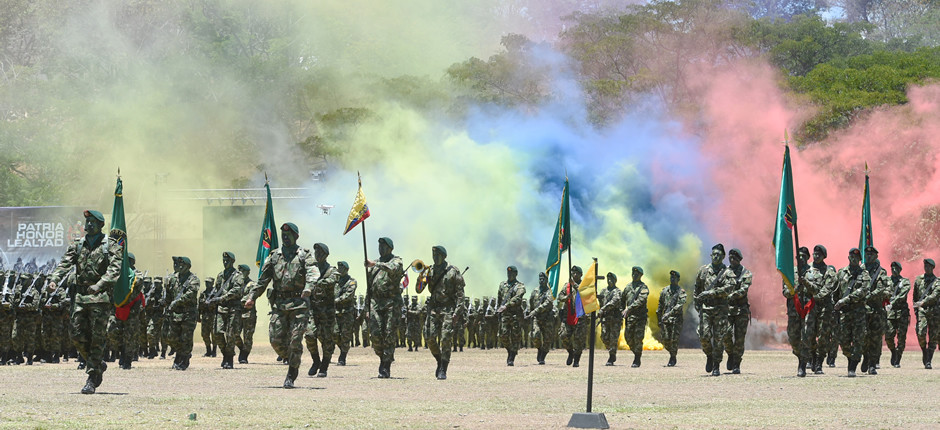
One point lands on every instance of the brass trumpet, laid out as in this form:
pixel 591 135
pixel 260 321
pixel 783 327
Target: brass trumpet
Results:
pixel 422 270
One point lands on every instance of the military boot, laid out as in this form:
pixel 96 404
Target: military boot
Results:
pixel 831 360
pixel 89 387
pixel 437 370
pixel 709 365
pixel 611 358
pixel 716 368
pixel 341 361
pixel 291 376
pixel 801 369
pixel 852 365
pixel 455 348
pixel 636 358
pixel 382 370
pixel 208 351
pixel 228 361
pixel 865 364
pixel 176 363
pixel 736 367
pixel 324 365
pixel 510 358
pixel 897 361
pixel 817 365
pixel 570 357
pixel 672 360
pixel 577 359
pixel 442 374
pixel 185 363
pixel 244 360
pixel 81 363
pixel 929 358
pixel 315 366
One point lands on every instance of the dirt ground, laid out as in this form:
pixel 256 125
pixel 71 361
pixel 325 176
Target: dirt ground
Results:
pixel 480 392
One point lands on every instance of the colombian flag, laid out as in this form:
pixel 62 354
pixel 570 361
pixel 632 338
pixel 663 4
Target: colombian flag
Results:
pixel 359 211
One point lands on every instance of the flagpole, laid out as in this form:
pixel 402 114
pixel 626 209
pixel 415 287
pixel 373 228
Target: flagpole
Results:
pixel 365 255
pixel 592 341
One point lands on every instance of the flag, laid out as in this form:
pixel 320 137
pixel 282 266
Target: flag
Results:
pixel 786 222
pixel 359 211
pixel 560 242
pixel 576 310
pixel 588 289
pixel 124 287
pixel 864 238
pixel 268 239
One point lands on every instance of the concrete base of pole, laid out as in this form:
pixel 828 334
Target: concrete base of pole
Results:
pixel 588 420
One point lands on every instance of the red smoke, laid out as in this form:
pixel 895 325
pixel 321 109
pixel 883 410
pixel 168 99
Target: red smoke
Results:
pixel 741 125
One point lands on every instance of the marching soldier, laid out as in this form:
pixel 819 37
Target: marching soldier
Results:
pixel 227 291
pixel 711 302
pixel 446 286
pixel 822 319
pixel 610 316
pixel 574 330
pixel 512 294
pixel 97 260
pixel 926 296
pixel 543 317
pixel 739 281
pixel 460 325
pixel 322 313
pixel 182 312
pixel 384 304
pixel 345 311
pixel 635 296
pixel 877 315
pixel 853 283
pixel 206 317
pixel 293 271
pixel 899 314
pixel 799 331
pixel 669 315
pixel 154 311
pixel 413 322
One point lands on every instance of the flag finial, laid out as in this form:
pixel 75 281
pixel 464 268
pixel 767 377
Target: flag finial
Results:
pixel 786 138
pixel 266 178
pixel 867 170
pixel 119 172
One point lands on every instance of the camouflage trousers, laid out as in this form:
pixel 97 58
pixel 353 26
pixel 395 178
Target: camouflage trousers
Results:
pixel 383 331
pixel 413 332
pixel 286 332
pixel 7 319
pixel 573 337
pixel 610 332
pixel 928 324
pixel 88 326
pixel 834 331
pixel 471 333
pixel 364 325
pixel 875 334
pixel 823 324
pixel 439 333
pixel 247 337
pixel 543 333
pixel 491 332
pixel 403 332
pixel 798 335
pixel 26 331
pixel 460 338
pixel 737 331
pixel 510 332
pixel 228 327
pixel 207 321
pixel 54 332
pixel 669 332
pixel 179 334
pixel 320 330
pixel 634 328
pixel 154 329
pixel 853 323
pixel 712 329
pixel 897 329
pixel 344 329
pixel 122 335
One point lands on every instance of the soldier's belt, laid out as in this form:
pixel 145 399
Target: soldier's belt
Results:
pixel 287 295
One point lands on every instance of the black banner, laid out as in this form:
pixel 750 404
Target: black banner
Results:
pixel 33 239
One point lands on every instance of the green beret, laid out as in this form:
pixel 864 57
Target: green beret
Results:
pixel 290 226
pixel 209 280
pixel 244 267
pixel 930 262
pixel 895 263
pixel 94 214
pixel 856 252
pixel 343 264
pixel 871 249
pixel 175 258
pixel 438 248
pixel 736 251
pixel 673 272
pixel 322 247
pixel 822 250
pixel 576 269
pixel 638 269
pixel 719 247
pixel 611 276
pixel 228 254
pixel 186 261
pixel 387 242
pixel 130 255
pixel 512 269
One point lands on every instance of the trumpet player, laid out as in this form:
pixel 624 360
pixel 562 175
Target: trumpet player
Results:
pixel 446 285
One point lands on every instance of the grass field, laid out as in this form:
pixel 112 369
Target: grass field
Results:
pixel 480 392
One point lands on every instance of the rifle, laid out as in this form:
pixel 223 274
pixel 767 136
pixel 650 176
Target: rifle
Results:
pixel 8 289
pixel 29 295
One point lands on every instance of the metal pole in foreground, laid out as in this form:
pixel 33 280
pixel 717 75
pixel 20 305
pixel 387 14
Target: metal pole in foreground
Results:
pixel 590 420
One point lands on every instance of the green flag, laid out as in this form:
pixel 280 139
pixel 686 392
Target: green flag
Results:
pixel 864 238
pixel 786 223
pixel 560 242
pixel 268 239
pixel 124 286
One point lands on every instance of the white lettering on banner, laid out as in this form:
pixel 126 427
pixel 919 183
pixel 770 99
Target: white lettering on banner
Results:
pixel 38 235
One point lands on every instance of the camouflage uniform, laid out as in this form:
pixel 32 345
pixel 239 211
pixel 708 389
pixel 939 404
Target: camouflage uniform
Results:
pixel 738 281
pixel 228 290
pixel 446 286
pixel 491 324
pixel 711 302
pixel 207 317
pixel 611 319
pixel 54 324
pixel 510 328
pixel 460 325
pixel 413 322
pixel 384 304
pixel 98 264
pixel 853 284
pixel 877 317
pixel 123 335
pixel 28 317
pixel 635 295
pixel 182 312
pixel 928 315
pixel 822 319
pixel 156 299
pixel 573 332
pixel 8 315
pixel 899 318
pixel 669 314
pixel 322 318
pixel 292 270
pixel 545 326
pixel 800 332
pixel 246 339
pixel 345 315
pixel 472 316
